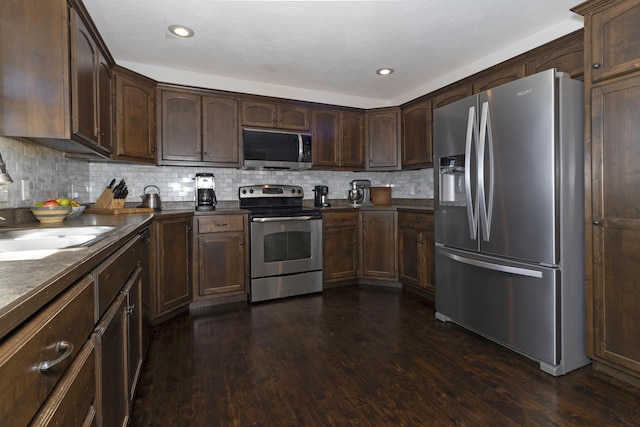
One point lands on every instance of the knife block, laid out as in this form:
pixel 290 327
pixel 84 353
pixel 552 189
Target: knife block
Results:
pixel 106 201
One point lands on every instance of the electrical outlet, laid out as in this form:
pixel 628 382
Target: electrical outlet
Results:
pixel 4 194
pixel 26 193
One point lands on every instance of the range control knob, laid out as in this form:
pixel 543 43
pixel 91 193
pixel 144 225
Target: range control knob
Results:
pixel 293 191
pixel 251 191
pixel 244 191
pixel 299 191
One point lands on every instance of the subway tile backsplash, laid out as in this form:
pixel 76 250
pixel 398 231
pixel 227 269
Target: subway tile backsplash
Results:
pixel 49 174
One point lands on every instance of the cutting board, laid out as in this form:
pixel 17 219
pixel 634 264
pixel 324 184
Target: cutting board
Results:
pixel 120 211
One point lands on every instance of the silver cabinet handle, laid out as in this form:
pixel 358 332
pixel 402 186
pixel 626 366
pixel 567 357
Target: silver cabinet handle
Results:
pixel 596 66
pixel 66 347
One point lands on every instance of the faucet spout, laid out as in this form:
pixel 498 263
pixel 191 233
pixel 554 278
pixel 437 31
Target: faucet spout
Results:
pixel 4 176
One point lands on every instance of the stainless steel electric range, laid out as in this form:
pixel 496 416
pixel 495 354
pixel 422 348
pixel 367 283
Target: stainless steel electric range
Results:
pixel 286 242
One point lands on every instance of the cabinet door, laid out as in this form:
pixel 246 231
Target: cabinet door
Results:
pixel 326 138
pixel 135 118
pixel 170 264
pixel 383 140
pixel 352 141
pixel 410 256
pixel 293 117
pixel 452 95
pixel 567 56
pixel 110 339
pixel 614 175
pixel 260 114
pixel 84 60
pixel 33 40
pixel 105 106
pixel 222 264
pixel 220 133
pixel 181 126
pixel 340 247
pixel 379 245
pixel 498 77
pixel 135 332
pixel 615 40
pixel 416 135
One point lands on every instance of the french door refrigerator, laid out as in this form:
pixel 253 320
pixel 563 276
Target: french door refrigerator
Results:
pixel 509 217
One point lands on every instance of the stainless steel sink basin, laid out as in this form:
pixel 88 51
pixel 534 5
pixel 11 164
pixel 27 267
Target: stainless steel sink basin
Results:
pixel 55 238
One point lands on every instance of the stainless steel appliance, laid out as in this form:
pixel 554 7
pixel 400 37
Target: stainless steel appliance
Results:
pixel 509 217
pixel 149 199
pixel 286 242
pixel 275 150
pixel 205 192
pixel 320 197
pixel 359 193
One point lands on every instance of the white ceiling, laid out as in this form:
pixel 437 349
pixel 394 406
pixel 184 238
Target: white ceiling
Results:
pixel 326 50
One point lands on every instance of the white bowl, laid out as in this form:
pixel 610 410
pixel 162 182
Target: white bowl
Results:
pixel 76 211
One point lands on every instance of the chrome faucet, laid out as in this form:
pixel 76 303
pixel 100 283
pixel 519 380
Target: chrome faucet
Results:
pixel 4 176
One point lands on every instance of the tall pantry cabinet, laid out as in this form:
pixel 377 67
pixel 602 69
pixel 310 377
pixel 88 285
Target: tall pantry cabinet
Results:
pixel 612 184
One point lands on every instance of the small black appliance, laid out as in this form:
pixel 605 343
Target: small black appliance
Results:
pixel 205 194
pixel 321 194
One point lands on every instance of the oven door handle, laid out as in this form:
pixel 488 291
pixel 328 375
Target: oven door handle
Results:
pixel 285 218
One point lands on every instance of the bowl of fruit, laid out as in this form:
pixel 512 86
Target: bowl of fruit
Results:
pixel 52 210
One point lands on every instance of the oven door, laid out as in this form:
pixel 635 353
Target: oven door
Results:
pixel 285 245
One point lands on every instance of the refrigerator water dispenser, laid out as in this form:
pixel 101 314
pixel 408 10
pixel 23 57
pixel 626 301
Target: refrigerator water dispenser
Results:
pixel 452 189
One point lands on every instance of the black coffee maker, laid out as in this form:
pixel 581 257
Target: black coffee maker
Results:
pixel 320 199
pixel 205 194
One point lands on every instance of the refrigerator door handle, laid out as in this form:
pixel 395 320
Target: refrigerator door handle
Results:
pixel 485 145
pixel 496 267
pixel 472 208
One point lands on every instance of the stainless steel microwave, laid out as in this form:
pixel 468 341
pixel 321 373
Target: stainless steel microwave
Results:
pixel 276 150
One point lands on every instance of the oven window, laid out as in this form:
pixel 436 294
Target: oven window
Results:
pixel 287 246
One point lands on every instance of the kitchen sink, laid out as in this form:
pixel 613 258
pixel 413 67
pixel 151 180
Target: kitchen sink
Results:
pixel 44 241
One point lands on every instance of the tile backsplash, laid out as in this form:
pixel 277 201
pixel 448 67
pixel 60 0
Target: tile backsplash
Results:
pixel 49 174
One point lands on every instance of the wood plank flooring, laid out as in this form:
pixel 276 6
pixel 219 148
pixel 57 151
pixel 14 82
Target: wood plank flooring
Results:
pixel 357 356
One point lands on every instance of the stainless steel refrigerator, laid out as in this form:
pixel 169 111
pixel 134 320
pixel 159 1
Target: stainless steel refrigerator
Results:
pixel 509 217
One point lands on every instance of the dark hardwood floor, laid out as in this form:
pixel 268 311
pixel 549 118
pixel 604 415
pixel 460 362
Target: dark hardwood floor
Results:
pixel 357 356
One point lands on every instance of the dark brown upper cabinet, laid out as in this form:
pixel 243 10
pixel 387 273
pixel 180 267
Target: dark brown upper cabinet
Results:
pixel 199 129
pixel 276 115
pixel 416 135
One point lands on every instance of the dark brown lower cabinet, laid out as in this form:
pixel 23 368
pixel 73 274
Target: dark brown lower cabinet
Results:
pixel 379 244
pixel 222 257
pixel 340 247
pixel 110 339
pixel 416 250
pixel 169 266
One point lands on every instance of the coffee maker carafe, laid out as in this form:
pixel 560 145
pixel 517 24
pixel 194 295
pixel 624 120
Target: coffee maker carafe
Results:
pixel 320 199
pixel 205 194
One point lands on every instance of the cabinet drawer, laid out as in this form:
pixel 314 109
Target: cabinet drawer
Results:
pixel 340 219
pixel 417 220
pixel 56 334
pixel 71 402
pixel 111 276
pixel 221 223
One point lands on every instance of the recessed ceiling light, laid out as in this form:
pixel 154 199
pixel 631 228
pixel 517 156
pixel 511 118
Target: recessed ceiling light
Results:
pixel 384 71
pixel 181 31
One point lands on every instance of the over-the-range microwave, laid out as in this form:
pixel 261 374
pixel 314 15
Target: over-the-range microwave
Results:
pixel 276 150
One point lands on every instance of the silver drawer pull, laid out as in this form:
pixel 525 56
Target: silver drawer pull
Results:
pixel 66 347
pixel 221 225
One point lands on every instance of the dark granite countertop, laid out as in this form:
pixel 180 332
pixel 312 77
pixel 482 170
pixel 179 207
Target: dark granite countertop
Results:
pixel 26 286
